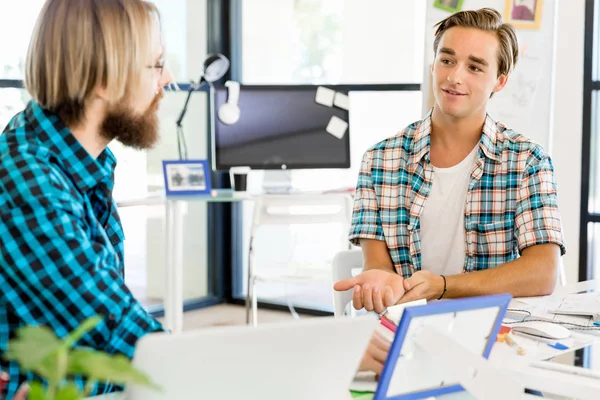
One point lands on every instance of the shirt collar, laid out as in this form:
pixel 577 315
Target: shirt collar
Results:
pixel 85 171
pixel 422 140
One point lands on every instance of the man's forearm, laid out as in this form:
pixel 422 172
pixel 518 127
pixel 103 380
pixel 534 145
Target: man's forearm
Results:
pixel 523 277
pixel 382 266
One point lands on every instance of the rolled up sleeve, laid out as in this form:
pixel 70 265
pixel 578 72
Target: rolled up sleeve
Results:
pixel 366 221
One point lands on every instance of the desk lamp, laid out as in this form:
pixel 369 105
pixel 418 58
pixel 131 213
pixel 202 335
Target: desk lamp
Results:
pixel 214 68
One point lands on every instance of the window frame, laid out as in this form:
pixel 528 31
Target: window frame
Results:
pixel 590 87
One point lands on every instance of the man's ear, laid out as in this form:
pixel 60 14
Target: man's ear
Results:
pixel 101 93
pixel 501 82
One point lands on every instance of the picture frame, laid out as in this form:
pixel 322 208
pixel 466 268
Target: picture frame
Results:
pixel 449 5
pixel 187 177
pixel 472 322
pixel 523 14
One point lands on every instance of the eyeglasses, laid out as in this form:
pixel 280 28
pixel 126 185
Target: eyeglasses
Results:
pixel 158 67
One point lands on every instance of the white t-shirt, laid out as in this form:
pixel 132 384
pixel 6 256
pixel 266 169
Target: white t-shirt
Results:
pixel 443 218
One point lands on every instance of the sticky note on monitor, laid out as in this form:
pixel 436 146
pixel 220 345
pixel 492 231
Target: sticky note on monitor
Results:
pixel 337 127
pixel 325 96
pixel 342 101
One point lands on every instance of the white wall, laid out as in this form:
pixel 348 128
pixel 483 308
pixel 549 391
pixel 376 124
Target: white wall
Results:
pixel 567 124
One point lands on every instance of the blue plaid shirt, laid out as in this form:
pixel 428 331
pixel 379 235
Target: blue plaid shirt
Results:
pixel 512 200
pixel 61 242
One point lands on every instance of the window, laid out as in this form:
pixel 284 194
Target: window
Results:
pixel 334 41
pixel 374 51
pixel 12 100
pixel 16 24
pixel 589 256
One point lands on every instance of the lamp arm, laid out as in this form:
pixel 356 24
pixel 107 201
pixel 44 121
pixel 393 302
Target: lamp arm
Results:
pixel 193 86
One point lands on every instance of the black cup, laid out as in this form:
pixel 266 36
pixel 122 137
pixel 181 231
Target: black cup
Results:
pixel 239 178
pixel 240 182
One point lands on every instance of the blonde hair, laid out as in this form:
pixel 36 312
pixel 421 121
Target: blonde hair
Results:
pixel 489 20
pixel 80 45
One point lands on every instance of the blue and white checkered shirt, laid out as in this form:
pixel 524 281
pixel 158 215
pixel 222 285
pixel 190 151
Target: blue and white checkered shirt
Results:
pixel 512 202
pixel 61 242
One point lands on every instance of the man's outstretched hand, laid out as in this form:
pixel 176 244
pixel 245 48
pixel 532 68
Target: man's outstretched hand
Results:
pixel 374 289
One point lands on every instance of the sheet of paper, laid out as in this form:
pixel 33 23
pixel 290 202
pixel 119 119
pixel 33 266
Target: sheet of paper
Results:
pixel 325 96
pixel 337 127
pixel 342 101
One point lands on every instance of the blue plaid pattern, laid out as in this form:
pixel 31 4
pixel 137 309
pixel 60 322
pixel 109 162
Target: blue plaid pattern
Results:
pixel 61 242
pixel 512 201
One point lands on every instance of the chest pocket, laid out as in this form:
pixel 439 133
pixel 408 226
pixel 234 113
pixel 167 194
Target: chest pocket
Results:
pixel 495 242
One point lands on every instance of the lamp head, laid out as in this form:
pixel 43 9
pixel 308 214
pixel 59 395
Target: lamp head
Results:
pixel 215 67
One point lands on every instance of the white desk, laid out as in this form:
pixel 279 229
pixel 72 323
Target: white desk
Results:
pixel 503 354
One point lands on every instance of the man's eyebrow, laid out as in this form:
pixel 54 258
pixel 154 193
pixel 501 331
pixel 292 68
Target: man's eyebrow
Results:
pixel 478 60
pixel 447 50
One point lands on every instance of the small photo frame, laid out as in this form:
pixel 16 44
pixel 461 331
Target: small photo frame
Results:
pixel 472 323
pixel 449 5
pixel 186 177
pixel 523 14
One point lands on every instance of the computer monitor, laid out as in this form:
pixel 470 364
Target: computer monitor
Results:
pixel 280 127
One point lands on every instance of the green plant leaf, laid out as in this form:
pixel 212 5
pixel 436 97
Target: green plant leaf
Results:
pixel 69 392
pixel 105 367
pixel 36 392
pixel 32 345
pixel 81 330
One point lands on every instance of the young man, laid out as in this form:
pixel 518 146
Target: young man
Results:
pixel 95 72
pixel 456 204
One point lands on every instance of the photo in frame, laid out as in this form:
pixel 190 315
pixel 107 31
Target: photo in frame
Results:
pixel 523 14
pixel 449 5
pixel 186 177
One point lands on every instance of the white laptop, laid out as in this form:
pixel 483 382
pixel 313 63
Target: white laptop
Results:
pixel 314 358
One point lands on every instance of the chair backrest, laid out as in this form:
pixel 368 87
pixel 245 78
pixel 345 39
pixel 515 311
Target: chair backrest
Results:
pixel 344 263
pixel 288 209
pixel 562 276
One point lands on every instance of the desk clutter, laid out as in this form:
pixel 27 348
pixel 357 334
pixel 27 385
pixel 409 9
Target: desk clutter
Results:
pixel 530 332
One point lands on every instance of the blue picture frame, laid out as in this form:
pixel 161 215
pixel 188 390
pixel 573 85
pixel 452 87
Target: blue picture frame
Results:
pixel 443 307
pixel 186 177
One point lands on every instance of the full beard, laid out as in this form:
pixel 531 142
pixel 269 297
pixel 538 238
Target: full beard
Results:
pixel 139 131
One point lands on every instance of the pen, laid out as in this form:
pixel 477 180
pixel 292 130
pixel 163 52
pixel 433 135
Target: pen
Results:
pixel 388 324
pixel 520 351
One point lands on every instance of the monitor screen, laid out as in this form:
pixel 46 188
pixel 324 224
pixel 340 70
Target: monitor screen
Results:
pixel 280 127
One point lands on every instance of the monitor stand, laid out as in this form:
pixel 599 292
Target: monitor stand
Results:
pixel 277 181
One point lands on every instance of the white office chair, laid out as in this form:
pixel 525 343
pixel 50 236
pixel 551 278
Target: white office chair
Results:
pixel 343 266
pixel 562 276
pixel 292 209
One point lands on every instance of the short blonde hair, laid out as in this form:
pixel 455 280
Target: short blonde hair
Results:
pixel 79 45
pixel 489 20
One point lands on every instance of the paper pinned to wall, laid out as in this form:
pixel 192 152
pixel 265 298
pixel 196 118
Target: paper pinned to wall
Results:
pixel 342 101
pixel 519 95
pixel 337 127
pixel 325 96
